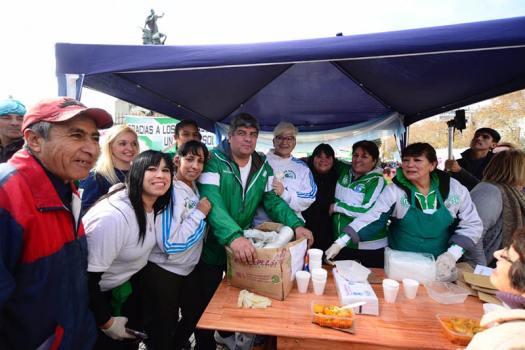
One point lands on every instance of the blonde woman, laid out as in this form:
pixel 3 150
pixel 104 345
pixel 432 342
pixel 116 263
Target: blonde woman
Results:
pixel 500 202
pixel 119 149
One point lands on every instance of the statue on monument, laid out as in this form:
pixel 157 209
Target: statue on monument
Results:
pixel 151 35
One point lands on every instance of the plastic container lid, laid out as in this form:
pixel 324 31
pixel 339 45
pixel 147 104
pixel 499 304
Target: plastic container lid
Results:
pixel 489 307
pixel 352 270
pixel 453 275
pixel 455 337
pixel 446 293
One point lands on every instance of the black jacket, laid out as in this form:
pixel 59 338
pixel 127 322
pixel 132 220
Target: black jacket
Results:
pixel 7 152
pixel 471 172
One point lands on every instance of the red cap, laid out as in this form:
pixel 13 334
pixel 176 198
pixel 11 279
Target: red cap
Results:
pixel 59 109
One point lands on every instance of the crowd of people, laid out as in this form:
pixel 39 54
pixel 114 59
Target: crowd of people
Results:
pixel 143 239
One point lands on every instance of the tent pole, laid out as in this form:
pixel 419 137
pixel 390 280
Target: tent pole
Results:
pixel 450 142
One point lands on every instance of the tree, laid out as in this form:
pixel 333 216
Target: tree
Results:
pixel 506 114
pixel 388 147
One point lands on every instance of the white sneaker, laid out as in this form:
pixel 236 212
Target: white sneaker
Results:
pixel 229 342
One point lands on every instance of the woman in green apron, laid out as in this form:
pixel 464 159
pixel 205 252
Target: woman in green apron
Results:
pixel 120 231
pixel 429 212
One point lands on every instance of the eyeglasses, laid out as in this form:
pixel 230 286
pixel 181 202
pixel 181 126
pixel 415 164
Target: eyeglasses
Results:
pixel 287 139
pixel 505 257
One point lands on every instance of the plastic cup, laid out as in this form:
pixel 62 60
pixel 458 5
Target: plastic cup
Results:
pixel 312 266
pixel 303 278
pixel 410 287
pixel 315 255
pixel 319 274
pixel 319 286
pixel 390 289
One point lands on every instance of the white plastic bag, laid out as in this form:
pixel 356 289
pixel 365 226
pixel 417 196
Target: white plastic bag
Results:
pixel 417 266
pixel 269 239
pixel 259 238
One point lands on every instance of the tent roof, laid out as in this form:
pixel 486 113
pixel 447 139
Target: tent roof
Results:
pixel 317 84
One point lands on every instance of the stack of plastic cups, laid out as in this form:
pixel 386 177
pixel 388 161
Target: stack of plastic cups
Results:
pixel 315 257
pixel 319 277
pixel 390 289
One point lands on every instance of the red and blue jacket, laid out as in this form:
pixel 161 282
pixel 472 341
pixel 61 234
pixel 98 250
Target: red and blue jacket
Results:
pixel 43 263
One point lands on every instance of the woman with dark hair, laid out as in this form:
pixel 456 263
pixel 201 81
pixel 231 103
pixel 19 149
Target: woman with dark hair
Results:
pixel 120 231
pixel 500 202
pixel 317 216
pixel 358 188
pixel 170 279
pixel 509 278
pixel 429 212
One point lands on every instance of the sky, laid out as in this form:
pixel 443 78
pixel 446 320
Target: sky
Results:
pixel 31 28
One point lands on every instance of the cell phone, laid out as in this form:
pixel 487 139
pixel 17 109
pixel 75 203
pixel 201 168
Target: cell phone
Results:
pixel 136 333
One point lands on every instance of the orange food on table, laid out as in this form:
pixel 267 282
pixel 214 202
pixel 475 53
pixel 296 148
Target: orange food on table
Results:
pixel 318 308
pixel 332 316
pixel 346 313
pixel 459 330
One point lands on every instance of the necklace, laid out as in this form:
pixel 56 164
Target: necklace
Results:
pixel 149 223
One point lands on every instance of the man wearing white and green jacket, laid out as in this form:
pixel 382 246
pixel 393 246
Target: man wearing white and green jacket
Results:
pixel 236 180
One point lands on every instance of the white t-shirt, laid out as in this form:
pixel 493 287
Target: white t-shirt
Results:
pixel 245 171
pixel 112 232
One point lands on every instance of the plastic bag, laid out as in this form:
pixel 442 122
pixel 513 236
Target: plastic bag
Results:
pixel 269 239
pixel 417 266
pixel 259 238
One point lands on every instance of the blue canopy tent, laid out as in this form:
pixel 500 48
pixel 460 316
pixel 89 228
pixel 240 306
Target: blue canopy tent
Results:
pixel 338 84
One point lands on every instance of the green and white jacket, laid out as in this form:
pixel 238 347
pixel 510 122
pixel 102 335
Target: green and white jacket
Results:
pixel 354 198
pixel 233 209
pixel 394 202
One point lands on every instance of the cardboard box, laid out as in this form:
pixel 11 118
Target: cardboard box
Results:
pixel 273 273
pixel 353 292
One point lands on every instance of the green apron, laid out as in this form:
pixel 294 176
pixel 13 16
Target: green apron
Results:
pixel 422 233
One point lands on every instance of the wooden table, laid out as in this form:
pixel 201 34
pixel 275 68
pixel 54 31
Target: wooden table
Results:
pixel 403 324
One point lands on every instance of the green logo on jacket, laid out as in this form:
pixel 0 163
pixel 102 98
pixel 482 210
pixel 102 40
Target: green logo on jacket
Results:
pixel 289 174
pixel 453 199
pixel 188 203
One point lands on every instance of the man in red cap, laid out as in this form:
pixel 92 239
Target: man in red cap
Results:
pixel 43 249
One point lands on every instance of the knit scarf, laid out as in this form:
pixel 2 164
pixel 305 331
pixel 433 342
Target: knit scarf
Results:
pixel 512 300
pixel 513 211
